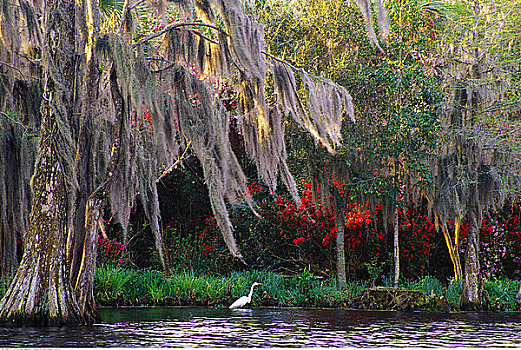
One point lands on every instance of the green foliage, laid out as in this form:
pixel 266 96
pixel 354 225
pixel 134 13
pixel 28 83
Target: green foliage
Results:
pixel 454 290
pixel 188 289
pixel 502 293
pixel 325 36
pixel 355 287
pixel 115 285
pixel 304 279
pixel 154 285
pixel 397 120
pixel 395 95
pixel 414 24
pixel 428 285
pixel 374 270
pixel 110 282
pixel 112 11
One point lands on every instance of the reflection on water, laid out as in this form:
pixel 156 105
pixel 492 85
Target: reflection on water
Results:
pixel 275 327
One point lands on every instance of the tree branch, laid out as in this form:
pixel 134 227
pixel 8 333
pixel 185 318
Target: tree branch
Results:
pixel 173 166
pixel 15 121
pixel 13 67
pixel 280 60
pixel 175 26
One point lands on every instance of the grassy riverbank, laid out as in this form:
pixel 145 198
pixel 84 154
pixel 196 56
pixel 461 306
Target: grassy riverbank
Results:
pixel 120 286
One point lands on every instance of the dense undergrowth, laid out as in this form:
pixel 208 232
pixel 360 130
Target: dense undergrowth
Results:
pixel 119 286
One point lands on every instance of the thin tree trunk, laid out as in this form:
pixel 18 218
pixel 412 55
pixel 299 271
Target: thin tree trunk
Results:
pixel 340 212
pixel 472 294
pixel 396 248
pixel 456 247
pixel 453 248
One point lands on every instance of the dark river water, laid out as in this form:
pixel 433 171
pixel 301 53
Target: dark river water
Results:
pixel 275 327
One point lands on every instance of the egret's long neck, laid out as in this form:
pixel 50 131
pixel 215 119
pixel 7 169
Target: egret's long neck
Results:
pixel 251 291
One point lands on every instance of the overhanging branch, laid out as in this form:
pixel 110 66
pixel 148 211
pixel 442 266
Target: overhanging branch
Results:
pixel 175 26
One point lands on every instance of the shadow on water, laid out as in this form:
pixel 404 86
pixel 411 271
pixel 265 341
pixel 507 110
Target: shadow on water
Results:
pixel 275 327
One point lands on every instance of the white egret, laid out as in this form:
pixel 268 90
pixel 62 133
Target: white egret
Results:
pixel 245 299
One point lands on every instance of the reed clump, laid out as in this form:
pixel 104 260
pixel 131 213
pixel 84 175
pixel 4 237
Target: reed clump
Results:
pixel 119 286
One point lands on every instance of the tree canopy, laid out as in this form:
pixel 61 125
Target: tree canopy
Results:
pixel 112 109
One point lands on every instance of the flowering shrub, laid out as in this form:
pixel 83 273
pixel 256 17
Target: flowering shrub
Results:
pixel 492 249
pixel 305 230
pixel 288 237
pixel 418 237
pixel 501 242
pixel 110 251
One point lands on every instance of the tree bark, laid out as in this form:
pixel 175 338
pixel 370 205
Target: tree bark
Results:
pixel 84 283
pixel 83 239
pixel 396 248
pixel 340 213
pixel 41 292
pixel 472 294
pixel 86 254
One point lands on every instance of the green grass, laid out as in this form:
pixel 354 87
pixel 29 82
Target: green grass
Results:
pixel 120 286
pixel 429 285
pixel 110 282
pixel 453 293
pixel 502 293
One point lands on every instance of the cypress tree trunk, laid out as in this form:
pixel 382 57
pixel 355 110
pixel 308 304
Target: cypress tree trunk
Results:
pixel 41 292
pixel 85 256
pixel 89 204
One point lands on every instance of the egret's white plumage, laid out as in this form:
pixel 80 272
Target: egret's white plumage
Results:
pixel 245 299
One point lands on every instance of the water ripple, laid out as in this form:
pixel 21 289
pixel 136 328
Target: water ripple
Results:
pixel 275 327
